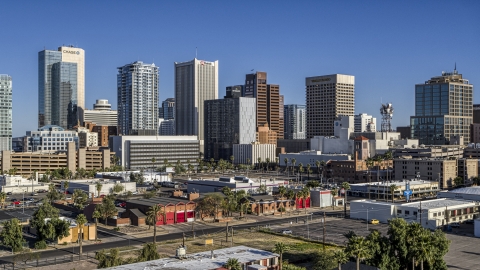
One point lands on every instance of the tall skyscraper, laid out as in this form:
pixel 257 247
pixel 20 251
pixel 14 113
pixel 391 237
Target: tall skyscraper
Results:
pixel 61 87
pixel 195 82
pixel 167 111
pixel 5 112
pixel 268 101
pixel 137 97
pixel 443 108
pixel 294 121
pixel 228 121
pixel 365 123
pixel 328 97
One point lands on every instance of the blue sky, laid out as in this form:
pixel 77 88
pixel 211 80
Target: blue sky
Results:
pixel 388 46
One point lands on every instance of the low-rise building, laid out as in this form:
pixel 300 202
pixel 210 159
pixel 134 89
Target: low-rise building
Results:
pixel 89 231
pixel 19 184
pixel 250 185
pixel 249 258
pixel 137 152
pixel 50 138
pixel 252 152
pixel 429 151
pixel 430 214
pixel 466 193
pixel 90 186
pixel 310 157
pixel 383 191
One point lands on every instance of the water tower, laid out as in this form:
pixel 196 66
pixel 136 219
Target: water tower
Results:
pixel 387 113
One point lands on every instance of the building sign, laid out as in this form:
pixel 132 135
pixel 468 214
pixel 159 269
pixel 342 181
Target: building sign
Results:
pixel 71 52
pixel 322 80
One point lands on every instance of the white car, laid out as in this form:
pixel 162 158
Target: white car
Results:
pixel 287 231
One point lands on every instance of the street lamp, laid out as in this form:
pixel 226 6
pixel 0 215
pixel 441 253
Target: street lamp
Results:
pixel 367 214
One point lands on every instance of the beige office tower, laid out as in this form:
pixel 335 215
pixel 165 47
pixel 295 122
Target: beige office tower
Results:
pixel 195 82
pixel 328 97
pixel 61 87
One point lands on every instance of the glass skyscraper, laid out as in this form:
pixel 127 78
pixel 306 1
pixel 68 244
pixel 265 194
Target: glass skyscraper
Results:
pixel 295 121
pixel 137 97
pixel 61 87
pixel 443 108
pixel 5 112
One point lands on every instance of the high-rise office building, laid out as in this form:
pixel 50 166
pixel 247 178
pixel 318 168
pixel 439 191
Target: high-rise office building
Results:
pixel 195 82
pixel 365 123
pixel 295 121
pixel 443 109
pixel 102 114
pixel 167 111
pixel 228 121
pixel 268 101
pixel 5 112
pixel 61 87
pixel 327 98
pixel 137 97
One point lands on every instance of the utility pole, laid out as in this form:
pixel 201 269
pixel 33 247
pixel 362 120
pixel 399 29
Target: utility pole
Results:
pixel 420 212
pixel 193 232
pixel 232 238
pixel 324 230
pixel 226 234
pixel 183 240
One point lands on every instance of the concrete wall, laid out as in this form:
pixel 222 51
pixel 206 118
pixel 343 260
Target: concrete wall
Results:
pixel 321 198
pixel 381 211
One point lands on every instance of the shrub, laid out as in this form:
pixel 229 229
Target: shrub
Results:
pixel 40 245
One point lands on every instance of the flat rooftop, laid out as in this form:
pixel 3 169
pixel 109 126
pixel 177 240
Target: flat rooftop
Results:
pixel 396 182
pixel 438 203
pixel 466 190
pixel 202 260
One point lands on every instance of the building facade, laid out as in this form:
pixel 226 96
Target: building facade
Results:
pixel 443 108
pixel 166 127
pixel 137 97
pixel 252 152
pixel 228 121
pixel 167 111
pixel 295 122
pixel 5 112
pixel 269 109
pixel 365 123
pixel 137 152
pixel 328 97
pixel 50 139
pixel 61 87
pixel 195 82
pixel 102 114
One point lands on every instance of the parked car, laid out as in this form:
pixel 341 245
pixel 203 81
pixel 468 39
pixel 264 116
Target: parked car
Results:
pixel 374 221
pixel 455 225
pixel 9 193
pixel 469 221
pixel 287 231
pixel 16 203
pixel 33 194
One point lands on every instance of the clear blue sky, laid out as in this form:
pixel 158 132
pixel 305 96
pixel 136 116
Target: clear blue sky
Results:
pixel 388 46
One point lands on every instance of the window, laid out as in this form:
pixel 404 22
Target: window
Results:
pixel 407 212
pixel 399 211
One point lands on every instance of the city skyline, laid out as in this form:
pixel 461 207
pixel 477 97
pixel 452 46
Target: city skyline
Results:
pixel 387 52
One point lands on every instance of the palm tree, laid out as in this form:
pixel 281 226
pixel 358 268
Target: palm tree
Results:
pixel 267 160
pixel 345 186
pixel 334 193
pixel 317 163
pixel 96 215
pixel 340 258
pixel 81 220
pixel 300 170
pixel 152 214
pixel 293 161
pixel 370 164
pixel 3 197
pixel 290 195
pixel 280 248
pixel 423 250
pixel 282 190
pixel 393 187
pixel 65 186
pixel 309 170
pixel 98 187
pixel 232 158
pixel 305 194
pixel 259 162
pixel 233 264
pixel 322 163
pixel 358 247
pixel 286 164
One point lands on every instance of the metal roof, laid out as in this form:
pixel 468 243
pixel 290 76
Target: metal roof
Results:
pixel 159 200
pixel 466 190
pixel 202 260
pixel 438 203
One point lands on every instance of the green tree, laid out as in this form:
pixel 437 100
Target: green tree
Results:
pixel 46 222
pixel 392 188
pixel 346 187
pixel 98 187
pixel 324 260
pixel 110 259
pixel 153 212
pixel 3 197
pixel 80 198
pixel 313 184
pixel 439 245
pixel 107 208
pixel 267 161
pixel 12 235
pixel 280 248
pixel 305 195
pixel 209 205
pixel 66 184
pixel 317 164
pixel 25 255
pixel 96 215
pixel 293 161
pixel 300 170
pixel 458 181
pixel 340 257
pixel 117 188
pixel 282 190
pixel 262 189
pixel 358 247
pixel 286 164
pixel 53 194
pixel 81 220
pixel 149 252
pixel 309 170
pixel 233 264
pixel 334 193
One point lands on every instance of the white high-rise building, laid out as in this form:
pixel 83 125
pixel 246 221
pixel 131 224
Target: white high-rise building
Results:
pixel 294 122
pixel 5 112
pixel 102 114
pixel 365 123
pixel 137 97
pixel 327 98
pixel 195 82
